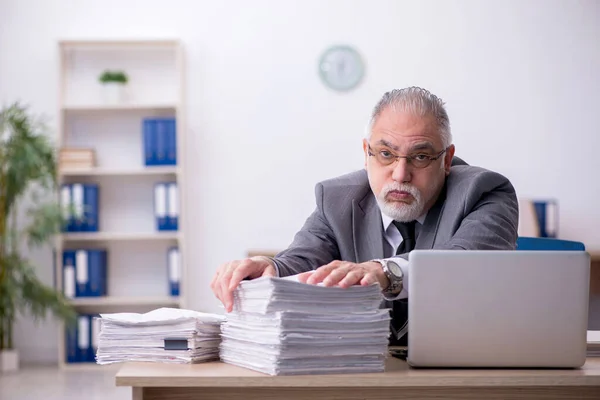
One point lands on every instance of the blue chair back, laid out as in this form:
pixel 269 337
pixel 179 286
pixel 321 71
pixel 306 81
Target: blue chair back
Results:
pixel 543 243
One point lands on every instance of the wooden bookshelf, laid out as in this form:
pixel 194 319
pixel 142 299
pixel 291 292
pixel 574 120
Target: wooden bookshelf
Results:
pixel 137 270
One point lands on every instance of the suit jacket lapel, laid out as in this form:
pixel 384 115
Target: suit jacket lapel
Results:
pixel 431 223
pixel 367 229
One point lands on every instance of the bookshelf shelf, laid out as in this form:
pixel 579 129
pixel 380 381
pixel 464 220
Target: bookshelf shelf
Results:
pixel 119 107
pixel 122 172
pixel 94 44
pixel 120 236
pixel 104 142
pixel 125 301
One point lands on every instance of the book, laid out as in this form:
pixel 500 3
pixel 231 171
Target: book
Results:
pixel 76 159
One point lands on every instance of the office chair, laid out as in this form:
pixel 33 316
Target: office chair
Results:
pixel 544 243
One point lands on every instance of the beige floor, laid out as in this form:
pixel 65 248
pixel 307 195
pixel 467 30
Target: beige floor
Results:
pixel 51 383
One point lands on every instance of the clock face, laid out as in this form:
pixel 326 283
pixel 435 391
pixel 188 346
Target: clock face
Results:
pixel 394 268
pixel 341 68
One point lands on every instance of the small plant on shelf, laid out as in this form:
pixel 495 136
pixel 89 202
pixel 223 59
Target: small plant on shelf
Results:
pixel 29 218
pixel 109 76
pixel 113 83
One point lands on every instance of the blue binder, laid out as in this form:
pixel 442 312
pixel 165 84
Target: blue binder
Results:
pixel 85 206
pixel 81 339
pixel 171 141
pixel 173 270
pixel 71 343
pixel 547 215
pixel 97 272
pixel 91 208
pixel 161 141
pixel 150 142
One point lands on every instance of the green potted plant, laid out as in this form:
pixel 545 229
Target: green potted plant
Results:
pixel 29 217
pixel 113 83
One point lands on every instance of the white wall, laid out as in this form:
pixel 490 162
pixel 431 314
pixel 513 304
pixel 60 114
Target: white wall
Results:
pixel 521 80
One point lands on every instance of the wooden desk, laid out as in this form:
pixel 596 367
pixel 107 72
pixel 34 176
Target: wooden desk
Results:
pixel 221 381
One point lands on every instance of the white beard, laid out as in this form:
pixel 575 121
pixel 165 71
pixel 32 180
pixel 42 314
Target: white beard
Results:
pixel 400 211
pixel 403 212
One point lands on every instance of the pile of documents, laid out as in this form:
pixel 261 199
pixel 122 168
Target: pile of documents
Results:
pixel 280 326
pixel 169 335
pixel 593 343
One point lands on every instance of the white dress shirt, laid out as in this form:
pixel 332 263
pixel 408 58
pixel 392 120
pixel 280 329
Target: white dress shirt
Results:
pixel 394 239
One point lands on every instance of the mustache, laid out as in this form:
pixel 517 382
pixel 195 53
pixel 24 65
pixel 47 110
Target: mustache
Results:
pixel 400 187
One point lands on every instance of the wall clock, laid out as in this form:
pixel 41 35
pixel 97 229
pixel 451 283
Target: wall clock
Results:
pixel 341 68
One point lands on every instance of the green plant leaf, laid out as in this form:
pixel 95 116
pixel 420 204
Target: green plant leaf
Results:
pixel 36 298
pixel 28 155
pixel 113 76
pixel 46 220
pixel 27 176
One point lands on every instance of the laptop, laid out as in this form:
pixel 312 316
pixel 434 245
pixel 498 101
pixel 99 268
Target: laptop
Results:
pixel 488 308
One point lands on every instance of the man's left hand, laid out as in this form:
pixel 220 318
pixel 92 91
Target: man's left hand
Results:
pixel 346 274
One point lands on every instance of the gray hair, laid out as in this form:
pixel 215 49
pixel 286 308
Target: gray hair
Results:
pixel 417 101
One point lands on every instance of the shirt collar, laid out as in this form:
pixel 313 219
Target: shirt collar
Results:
pixel 387 221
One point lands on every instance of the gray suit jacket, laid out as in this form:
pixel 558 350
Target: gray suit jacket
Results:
pixel 477 209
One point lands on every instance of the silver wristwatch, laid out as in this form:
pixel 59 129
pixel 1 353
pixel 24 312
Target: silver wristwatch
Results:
pixel 394 273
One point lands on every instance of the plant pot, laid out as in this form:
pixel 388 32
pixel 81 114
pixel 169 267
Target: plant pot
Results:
pixel 9 360
pixel 113 92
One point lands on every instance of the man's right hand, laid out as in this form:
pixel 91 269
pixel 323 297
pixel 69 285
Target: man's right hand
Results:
pixel 229 276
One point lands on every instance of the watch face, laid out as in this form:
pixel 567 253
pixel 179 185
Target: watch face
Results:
pixel 394 268
pixel 341 68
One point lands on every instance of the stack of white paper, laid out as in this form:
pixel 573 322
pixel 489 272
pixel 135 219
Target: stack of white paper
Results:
pixel 593 343
pixel 282 327
pixel 141 337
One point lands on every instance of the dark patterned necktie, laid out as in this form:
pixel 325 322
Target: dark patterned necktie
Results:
pixel 400 307
pixel 407 230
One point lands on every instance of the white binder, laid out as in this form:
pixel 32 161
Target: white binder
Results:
pixel 160 204
pixel 174 266
pixel 95 332
pixel 69 280
pixel 173 202
pixel 78 202
pixel 83 332
pixel 66 201
pixel 551 223
pixel 81 271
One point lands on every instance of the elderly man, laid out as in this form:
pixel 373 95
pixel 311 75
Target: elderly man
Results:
pixel 412 194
